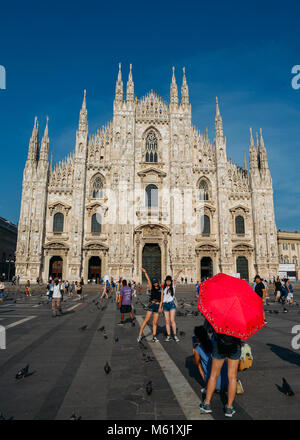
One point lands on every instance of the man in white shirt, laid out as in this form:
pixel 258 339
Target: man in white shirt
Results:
pixel 56 299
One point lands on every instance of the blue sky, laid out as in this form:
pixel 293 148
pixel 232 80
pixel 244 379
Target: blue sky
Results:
pixel 242 52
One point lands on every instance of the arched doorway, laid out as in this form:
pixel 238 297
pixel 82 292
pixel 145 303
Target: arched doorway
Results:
pixel 151 261
pixel 206 268
pixel 94 271
pixel 242 268
pixel 56 267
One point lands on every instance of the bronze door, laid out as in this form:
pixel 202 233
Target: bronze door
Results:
pixel 152 261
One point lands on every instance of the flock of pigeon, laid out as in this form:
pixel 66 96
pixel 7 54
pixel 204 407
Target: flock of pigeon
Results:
pixel 181 311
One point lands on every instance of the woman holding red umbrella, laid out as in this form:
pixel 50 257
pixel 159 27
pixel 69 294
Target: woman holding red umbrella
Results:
pixel 235 312
pixel 225 347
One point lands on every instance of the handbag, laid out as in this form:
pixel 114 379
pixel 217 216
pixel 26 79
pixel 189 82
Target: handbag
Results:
pixel 245 364
pixel 239 387
pixel 246 359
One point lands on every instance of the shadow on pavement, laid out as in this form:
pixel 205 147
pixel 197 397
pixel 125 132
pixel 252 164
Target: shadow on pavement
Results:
pixel 193 370
pixel 286 354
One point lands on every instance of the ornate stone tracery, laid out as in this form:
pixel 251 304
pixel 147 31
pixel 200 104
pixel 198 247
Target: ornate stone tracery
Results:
pixel 147 142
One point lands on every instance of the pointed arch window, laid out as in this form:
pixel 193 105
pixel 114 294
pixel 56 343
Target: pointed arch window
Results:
pixel 97 188
pixel 239 225
pixel 96 224
pixel 151 196
pixel 58 222
pixel 151 147
pixel 203 190
pixel 205 225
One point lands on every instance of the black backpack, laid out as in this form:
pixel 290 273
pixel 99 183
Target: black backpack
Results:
pixel 227 344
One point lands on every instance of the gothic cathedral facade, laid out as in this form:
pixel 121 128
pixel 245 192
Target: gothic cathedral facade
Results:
pixel 148 189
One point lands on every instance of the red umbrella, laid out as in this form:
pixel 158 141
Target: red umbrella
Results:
pixel 231 306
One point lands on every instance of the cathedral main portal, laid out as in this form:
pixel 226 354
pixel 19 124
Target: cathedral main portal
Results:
pixel 151 261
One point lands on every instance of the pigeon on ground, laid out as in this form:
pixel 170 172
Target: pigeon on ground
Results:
pixel 116 338
pixel 287 388
pixel 22 373
pixel 75 417
pixel 84 327
pixel 149 388
pixel 107 368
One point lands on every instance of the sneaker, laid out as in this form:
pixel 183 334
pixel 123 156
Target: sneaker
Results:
pixel 168 338
pixel 205 407
pixel 203 390
pixel 176 339
pixel 229 412
pixel 139 339
pixel 155 339
pixel 120 323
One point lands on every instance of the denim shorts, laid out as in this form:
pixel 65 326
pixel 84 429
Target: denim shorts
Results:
pixel 153 307
pixel 220 356
pixel 169 306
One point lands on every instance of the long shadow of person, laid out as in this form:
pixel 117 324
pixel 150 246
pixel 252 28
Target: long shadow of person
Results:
pixel 193 370
pixel 161 330
pixel 286 354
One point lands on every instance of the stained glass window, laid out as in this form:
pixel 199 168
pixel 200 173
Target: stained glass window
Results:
pixel 151 147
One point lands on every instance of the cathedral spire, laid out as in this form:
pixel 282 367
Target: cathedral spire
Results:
pixel 130 87
pixel 119 87
pixel 257 141
pixel 262 151
pixel 245 161
pixel 218 121
pixel 184 91
pixel 44 153
pixel 83 123
pixel 252 152
pixel 34 145
pixel 251 139
pixel 262 143
pixel 173 90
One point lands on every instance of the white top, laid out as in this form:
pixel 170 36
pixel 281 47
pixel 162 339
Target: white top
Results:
pixel 167 295
pixel 56 291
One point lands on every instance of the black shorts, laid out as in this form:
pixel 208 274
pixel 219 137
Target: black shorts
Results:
pixel 125 309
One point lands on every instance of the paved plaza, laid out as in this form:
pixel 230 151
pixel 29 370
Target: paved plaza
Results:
pixel 68 363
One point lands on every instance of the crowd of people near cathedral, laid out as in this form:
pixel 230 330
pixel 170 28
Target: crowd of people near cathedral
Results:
pixel 216 356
